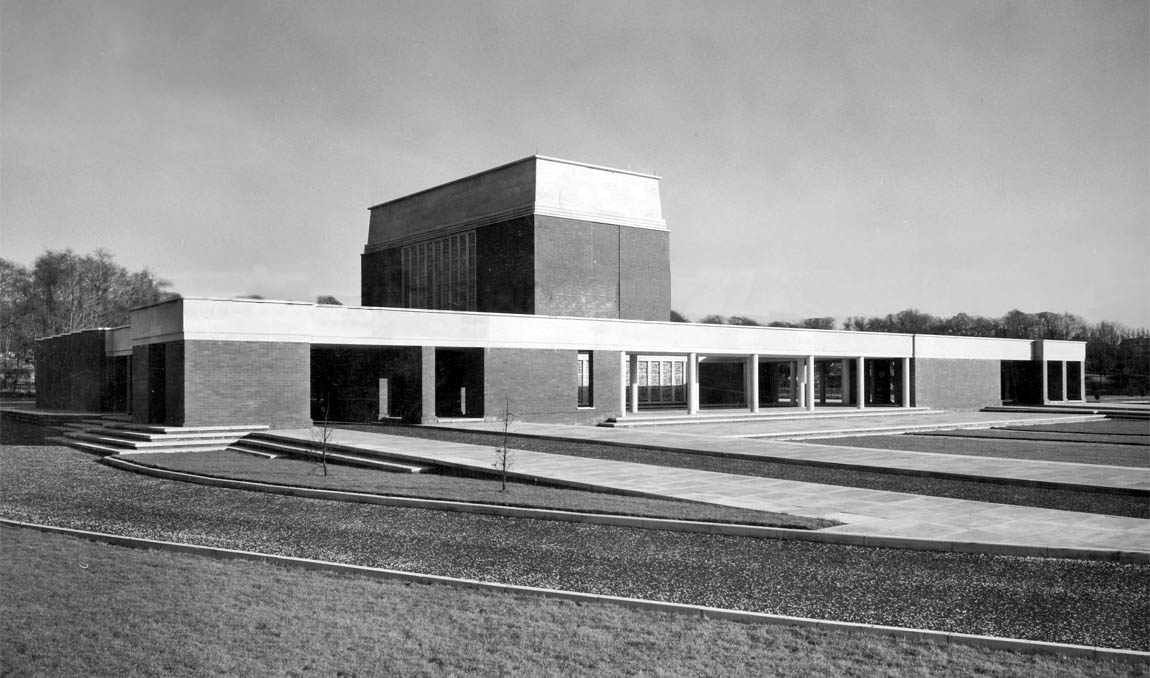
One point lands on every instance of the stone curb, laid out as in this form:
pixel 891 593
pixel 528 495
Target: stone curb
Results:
pixel 874 541
pixel 822 463
pixel 990 642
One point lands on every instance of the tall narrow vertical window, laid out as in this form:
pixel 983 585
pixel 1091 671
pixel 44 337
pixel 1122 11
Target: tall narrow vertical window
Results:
pixel 585 380
pixel 440 274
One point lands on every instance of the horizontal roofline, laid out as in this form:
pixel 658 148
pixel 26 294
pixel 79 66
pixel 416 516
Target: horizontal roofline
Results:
pixel 516 162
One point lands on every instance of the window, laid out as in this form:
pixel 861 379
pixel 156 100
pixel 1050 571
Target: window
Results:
pixel 440 274
pixel 585 380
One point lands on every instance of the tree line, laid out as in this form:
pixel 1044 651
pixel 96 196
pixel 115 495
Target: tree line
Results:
pixel 60 293
pixel 1117 356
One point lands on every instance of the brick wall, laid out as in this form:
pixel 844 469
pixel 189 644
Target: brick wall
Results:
pixel 72 372
pixel 505 275
pixel 541 385
pixel 576 268
pixel 956 384
pixel 381 278
pixel 231 382
pixel 645 283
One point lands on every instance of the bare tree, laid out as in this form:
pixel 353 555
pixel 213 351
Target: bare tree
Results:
pixel 322 434
pixel 504 458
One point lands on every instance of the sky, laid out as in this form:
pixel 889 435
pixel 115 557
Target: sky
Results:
pixel 817 158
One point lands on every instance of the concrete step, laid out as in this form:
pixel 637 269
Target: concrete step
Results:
pixel 237 430
pixel 782 414
pixel 206 436
pixel 172 444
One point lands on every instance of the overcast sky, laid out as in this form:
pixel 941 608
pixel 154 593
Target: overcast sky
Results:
pixel 818 158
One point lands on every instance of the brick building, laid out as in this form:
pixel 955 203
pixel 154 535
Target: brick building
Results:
pixel 542 284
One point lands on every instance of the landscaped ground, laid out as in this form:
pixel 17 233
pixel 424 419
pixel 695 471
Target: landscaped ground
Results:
pixel 1112 442
pixel 87 609
pixel 1079 602
pixel 285 471
pixel 1020 495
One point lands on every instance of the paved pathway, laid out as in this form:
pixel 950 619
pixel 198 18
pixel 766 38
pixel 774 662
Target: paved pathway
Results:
pixel 861 511
pixel 856 422
pixel 1123 478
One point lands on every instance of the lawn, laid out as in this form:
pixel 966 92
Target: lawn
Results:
pixel 1081 602
pixel 84 608
pixel 1003 447
pixel 1020 495
pixel 305 473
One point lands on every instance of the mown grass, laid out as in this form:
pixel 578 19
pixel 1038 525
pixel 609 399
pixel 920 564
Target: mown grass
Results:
pixel 1081 602
pixel 84 608
pixel 1019 495
pixel 304 473
pixel 982 446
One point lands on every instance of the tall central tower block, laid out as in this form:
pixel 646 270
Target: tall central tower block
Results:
pixel 538 236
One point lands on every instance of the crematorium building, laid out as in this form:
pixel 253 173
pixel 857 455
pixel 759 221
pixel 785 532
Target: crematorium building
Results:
pixel 542 286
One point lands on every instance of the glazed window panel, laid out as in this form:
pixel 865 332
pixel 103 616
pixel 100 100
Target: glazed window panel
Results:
pixel 585 380
pixel 440 274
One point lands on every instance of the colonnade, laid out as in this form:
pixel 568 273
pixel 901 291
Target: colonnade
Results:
pixel 802 380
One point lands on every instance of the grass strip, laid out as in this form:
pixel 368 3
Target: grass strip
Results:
pixel 90 609
pixel 1113 455
pixel 455 487
pixel 1078 602
pixel 1046 437
pixel 1019 495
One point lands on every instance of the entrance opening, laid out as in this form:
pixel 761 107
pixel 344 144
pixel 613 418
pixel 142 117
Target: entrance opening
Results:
pixel 459 382
pixel 1074 380
pixel 364 383
pixel 157 383
pixel 1021 382
pixel 722 383
pixel 883 382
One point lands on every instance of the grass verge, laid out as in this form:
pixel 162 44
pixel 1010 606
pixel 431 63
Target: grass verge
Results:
pixel 1116 455
pixel 1069 601
pixel 303 473
pixel 85 608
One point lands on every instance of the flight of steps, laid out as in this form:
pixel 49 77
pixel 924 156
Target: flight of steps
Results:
pixel 270 446
pixel 104 437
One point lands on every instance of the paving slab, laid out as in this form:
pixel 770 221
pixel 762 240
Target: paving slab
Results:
pixel 862 511
pixel 1053 473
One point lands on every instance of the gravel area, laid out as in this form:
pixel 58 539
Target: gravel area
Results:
pixel 1018 495
pixel 1090 603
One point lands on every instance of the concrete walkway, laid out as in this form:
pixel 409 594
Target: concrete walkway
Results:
pixel 873 422
pixel 861 511
pixel 1119 478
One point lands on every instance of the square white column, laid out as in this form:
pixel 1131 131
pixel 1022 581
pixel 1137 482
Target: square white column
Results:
pixel 624 384
pixel 860 383
pixel 692 383
pixel 1082 380
pixel 906 382
pixel 753 382
pixel 1045 383
pixel 846 385
pixel 634 383
pixel 1065 392
pixel 809 369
